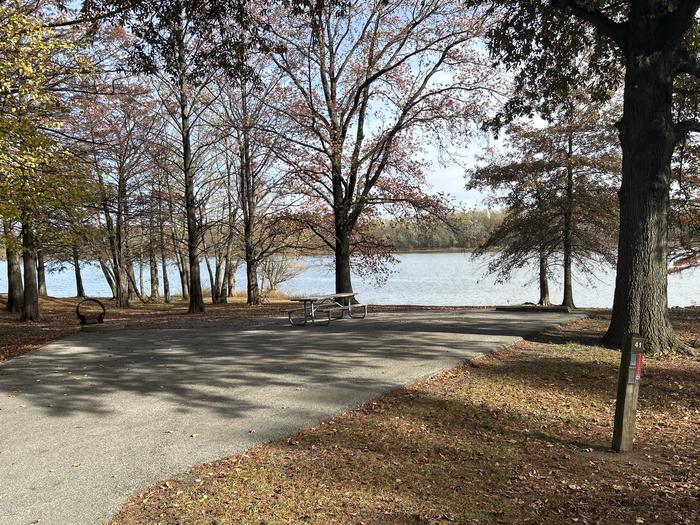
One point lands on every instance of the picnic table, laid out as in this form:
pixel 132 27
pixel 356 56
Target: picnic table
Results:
pixel 321 309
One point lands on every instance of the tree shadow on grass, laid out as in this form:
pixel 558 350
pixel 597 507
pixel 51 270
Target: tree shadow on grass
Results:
pixel 420 457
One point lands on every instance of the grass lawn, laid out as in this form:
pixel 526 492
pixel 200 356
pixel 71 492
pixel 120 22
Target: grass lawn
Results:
pixel 520 436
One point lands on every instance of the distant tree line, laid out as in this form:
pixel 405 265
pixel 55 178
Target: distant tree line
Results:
pixel 466 230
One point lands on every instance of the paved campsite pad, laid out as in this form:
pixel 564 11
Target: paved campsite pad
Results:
pixel 90 419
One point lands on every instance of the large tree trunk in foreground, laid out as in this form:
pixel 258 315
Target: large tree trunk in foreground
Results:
pixel 648 137
pixel 15 288
pixel 544 283
pixel 30 306
pixel 79 290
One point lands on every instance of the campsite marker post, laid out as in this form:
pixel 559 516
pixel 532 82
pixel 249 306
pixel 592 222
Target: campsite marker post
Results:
pixel 631 364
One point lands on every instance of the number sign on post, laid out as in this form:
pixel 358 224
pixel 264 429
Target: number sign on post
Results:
pixel 631 364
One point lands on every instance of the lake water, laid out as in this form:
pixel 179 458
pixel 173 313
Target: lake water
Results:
pixel 440 279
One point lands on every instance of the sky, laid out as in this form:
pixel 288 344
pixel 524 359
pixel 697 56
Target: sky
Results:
pixel 450 178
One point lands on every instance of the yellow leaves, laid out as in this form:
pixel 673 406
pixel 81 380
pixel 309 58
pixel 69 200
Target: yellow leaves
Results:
pixel 34 61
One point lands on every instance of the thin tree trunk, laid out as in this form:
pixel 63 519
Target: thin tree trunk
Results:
pixel 219 280
pixel 132 288
pixel 223 281
pixel 179 257
pixel 30 305
pixel 212 284
pixel 152 262
pixel 230 278
pixel 163 258
pixel 141 267
pixel 166 279
pixel 568 230
pixel 544 282
pixel 79 290
pixel 184 276
pixel 15 288
pixel 109 276
pixel 119 285
pixel 40 271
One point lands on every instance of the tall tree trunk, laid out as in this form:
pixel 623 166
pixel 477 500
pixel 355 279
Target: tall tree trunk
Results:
pixel 121 280
pixel 230 278
pixel 180 260
pixel 132 288
pixel 30 305
pixel 142 263
pixel 109 276
pixel 163 257
pixel 544 282
pixel 155 281
pixel 343 279
pixel 152 262
pixel 193 231
pixel 79 290
pixel 184 276
pixel 212 283
pixel 164 266
pixel 647 135
pixel 135 288
pixel 15 288
pixel 219 279
pixel 251 274
pixel 568 229
pixel 40 271
pixel 223 281
pixel 251 260
pixel 119 286
pixel 166 279
pixel 249 201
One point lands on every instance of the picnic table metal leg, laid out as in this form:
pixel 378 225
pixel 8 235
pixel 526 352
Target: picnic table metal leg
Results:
pixel 358 316
pixel 294 323
pixel 324 322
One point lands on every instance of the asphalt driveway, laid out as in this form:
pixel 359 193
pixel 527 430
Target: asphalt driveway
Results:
pixel 90 419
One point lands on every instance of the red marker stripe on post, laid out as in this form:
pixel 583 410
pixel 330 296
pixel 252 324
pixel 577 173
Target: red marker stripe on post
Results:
pixel 638 369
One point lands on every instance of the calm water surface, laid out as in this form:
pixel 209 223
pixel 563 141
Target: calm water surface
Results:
pixel 448 279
